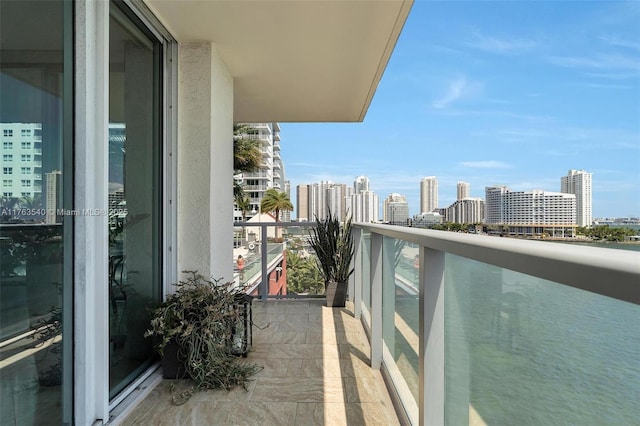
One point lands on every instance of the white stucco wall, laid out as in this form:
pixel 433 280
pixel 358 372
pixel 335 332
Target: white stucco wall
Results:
pixel 205 161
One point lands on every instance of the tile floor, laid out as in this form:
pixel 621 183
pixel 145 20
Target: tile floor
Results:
pixel 315 372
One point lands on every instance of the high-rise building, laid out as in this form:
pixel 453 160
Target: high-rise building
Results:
pixel 53 200
pixel 21 160
pixel 396 209
pixel 466 210
pixel 322 197
pixel 464 190
pixel 428 194
pixel 302 203
pixel 534 208
pixel 578 182
pixel 364 204
pixel 269 175
pixel 361 184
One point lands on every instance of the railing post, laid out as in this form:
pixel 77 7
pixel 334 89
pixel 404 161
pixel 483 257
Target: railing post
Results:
pixel 431 337
pixel 376 300
pixel 264 279
pixel 355 281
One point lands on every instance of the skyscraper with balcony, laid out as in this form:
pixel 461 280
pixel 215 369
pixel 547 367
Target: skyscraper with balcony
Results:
pixel 531 212
pixel 578 182
pixel 464 190
pixel 396 209
pixel 428 194
pixel 269 175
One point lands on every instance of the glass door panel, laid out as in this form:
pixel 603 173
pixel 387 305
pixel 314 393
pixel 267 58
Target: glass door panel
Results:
pixel 35 237
pixel 134 193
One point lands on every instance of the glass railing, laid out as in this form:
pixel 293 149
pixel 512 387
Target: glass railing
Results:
pixel 275 260
pixel 486 330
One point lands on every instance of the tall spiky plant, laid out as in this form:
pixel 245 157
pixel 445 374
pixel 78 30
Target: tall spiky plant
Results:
pixel 333 244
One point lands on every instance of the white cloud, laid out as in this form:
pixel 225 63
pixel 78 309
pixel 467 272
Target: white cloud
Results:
pixel 598 62
pixel 500 45
pixel 489 164
pixel 457 89
pixel 620 42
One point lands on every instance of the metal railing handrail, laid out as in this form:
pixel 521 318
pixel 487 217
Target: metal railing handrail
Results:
pixel 598 270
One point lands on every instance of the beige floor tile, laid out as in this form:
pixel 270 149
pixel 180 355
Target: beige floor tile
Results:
pixel 246 413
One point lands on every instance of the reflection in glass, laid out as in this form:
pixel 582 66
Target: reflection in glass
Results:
pixel 134 195
pixel 32 233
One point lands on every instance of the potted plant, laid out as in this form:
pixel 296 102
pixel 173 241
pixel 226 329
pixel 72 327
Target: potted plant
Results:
pixel 194 329
pixel 333 244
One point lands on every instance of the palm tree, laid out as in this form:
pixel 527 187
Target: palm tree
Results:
pixel 246 149
pixel 243 202
pixel 275 201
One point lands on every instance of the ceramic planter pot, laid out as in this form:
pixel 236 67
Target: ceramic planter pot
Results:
pixel 336 294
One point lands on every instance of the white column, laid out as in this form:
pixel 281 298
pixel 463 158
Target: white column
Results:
pixel 91 360
pixel 205 162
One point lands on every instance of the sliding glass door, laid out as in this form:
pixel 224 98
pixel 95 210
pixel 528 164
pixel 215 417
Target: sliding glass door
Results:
pixel 135 192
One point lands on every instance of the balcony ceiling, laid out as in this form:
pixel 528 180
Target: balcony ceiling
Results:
pixel 294 61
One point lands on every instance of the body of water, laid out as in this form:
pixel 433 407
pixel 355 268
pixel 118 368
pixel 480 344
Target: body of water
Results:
pixel 525 351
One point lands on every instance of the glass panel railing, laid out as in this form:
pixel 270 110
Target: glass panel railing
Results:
pixel 522 350
pixel 290 263
pixel 400 314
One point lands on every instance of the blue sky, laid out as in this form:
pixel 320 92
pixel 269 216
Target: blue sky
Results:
pixel 510 93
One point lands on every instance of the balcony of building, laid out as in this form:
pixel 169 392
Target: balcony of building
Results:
pixel 464 329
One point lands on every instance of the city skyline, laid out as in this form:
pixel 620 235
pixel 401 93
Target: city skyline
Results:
pixel 494 94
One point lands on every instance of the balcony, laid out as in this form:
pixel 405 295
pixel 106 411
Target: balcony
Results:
pixel 521 332
pixel 315 371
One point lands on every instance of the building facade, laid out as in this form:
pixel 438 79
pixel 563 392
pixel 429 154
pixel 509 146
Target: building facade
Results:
pixel 396 209
pixel 363 205
pixel 531 212
pixel 269 175
pixel 172 77
pixel 578 183
pixel 302 203
pixel 428 194
pixel 463 190
pixel 466 210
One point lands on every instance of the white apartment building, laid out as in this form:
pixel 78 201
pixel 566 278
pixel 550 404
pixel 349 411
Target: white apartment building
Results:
pixel 464 190
pixel 322 197
pixel 534 211
pixel 466 210
pixel 396 209
pixel 269 175
pixel 578 182
pixel 22 161
pixel 428 194
pixel 363 204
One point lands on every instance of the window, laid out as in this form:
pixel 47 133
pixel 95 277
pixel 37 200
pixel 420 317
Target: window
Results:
pixel 7 182
pixel 7 133
pixel 26 194
pixel 7 145
pixel 7 170
pixel 25 157
pixel 26 145
pixel 25 170
pixel 26 183
pixel 25 132
pixel 7 157
pixel 7 194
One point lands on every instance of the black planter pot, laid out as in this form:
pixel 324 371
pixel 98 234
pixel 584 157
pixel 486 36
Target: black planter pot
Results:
pixel 336 294
pixel 172 367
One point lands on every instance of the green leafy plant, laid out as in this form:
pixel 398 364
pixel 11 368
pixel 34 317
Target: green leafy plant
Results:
pixel 333 244
pixel 200 317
